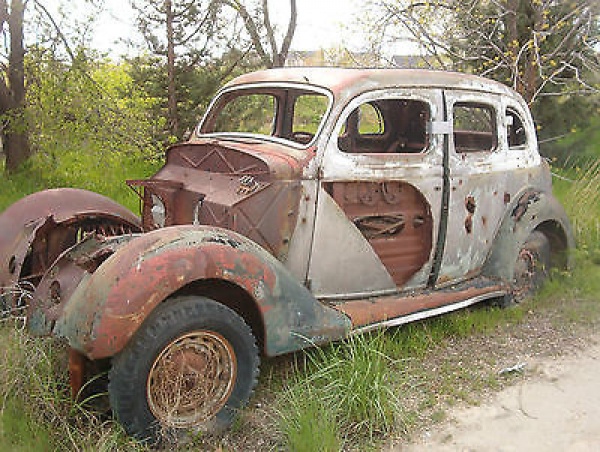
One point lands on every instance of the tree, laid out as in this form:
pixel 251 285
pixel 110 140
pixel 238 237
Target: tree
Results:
pixel 539 47
pixel 196 85
pixel 270 53
pixel 183 33
pixel 15 141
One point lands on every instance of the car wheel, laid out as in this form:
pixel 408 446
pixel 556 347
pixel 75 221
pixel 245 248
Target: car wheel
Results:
pixel 189 368
pixel 532 266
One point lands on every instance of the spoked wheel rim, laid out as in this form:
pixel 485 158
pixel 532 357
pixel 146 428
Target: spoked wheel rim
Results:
pixel 191 379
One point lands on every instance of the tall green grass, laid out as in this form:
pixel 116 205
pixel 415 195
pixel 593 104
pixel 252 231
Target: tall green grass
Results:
pixel 341 394
pixel 582 203
pixel 36 409
pixel 77 169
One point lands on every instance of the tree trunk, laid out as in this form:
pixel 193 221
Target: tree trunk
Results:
pixel 277 57
pixel 512 35
pixel 171 76
pixel 15 140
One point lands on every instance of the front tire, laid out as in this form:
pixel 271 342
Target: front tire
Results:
pixel 190 367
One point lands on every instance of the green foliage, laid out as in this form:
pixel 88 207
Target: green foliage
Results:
pixel 306 422
pixel 581 143
pixel 309 110
pixel 15 186
pixel 253 113
pixel 89 107
pixel 18 432
pixel 91 127
pixel 196 86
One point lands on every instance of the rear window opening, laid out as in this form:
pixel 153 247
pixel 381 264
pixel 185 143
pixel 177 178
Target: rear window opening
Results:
pixel 474 128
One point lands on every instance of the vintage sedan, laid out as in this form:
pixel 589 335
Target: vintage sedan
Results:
pixel 308 205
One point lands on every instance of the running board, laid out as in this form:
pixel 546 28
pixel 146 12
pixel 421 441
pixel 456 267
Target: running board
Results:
pixel 385 311
pixel 415 317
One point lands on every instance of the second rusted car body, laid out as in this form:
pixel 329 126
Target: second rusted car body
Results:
pixel 313 203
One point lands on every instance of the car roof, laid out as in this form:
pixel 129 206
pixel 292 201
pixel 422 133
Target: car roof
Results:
pixel 338 80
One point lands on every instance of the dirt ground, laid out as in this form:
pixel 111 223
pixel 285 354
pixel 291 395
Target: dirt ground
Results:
pixel 556 408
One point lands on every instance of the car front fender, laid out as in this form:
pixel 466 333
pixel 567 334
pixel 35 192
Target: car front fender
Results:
pixel 109 304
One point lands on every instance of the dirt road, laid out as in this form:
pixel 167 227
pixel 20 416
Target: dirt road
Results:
pixel 556 409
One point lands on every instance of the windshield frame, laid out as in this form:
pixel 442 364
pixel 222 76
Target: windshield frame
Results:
pixel 262 87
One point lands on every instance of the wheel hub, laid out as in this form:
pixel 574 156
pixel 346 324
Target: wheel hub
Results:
pixel 191 379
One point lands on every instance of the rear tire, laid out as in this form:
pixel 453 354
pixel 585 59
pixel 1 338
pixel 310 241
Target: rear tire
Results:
pixel 532 266
pixel 189 368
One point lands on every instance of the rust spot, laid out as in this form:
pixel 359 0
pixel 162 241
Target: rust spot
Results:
pixel 506 198
pixel 12 264
pixel 470 204
pixel 523 204
pixel 76 372
pixel 484 221
pixel 469 224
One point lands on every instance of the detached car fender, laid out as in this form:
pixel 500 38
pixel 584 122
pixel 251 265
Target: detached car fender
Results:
pixel 47 221
pixel 532 210
pixel 109 304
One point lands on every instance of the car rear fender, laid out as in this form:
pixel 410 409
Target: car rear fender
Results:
pixel 109 304
pixel 532 210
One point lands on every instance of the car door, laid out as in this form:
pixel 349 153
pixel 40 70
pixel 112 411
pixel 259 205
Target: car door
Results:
pixel 479 166
pixel 379 196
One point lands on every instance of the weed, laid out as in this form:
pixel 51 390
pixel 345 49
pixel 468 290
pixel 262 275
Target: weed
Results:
pixel 20 433
pixel 72 169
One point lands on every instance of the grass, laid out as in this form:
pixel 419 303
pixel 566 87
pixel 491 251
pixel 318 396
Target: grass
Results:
pixel 81 170
pixel 36 410
pixel 347 387
pixel 18 432
pixel 583 206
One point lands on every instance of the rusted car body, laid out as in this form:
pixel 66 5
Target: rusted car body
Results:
pixel 308 205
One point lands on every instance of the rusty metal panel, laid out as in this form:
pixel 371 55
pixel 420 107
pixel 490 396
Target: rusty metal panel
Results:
pixel 220 186
pixel 269 216
pixel 37 228
pixel 529 211
pixel 373 311
pixel 395 219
